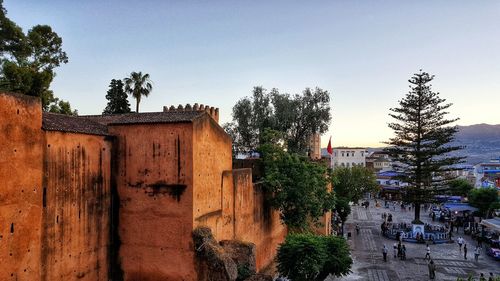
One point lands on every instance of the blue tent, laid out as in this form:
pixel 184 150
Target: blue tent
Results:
pixel 459 207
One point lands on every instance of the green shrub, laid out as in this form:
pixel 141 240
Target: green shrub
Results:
pixel 306 257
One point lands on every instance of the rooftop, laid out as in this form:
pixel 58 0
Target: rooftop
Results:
pixel 97 124
pixel 346 147
pixel 72 124
pixel 146 118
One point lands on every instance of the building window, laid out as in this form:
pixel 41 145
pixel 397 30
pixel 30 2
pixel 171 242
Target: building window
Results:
pixel 353 164
pixel 342 154
pixel 335 154
pixel 362 154
pixel 343 165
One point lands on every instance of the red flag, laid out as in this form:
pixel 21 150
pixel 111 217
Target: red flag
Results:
pixel 329 148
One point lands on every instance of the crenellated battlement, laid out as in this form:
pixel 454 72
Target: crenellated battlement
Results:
pixel 213 112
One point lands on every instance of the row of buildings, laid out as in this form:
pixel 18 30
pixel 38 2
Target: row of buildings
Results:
pixel 486 174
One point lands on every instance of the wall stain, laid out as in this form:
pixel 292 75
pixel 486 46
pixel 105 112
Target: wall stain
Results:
pixel 161 187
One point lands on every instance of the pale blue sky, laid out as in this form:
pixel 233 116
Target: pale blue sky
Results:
pixel 214 52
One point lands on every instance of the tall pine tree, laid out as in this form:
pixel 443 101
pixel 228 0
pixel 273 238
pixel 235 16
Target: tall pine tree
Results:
pixel 117 99
pixel 421 145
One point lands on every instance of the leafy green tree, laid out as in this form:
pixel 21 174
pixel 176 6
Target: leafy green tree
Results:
pixel 298 117
pixel 11 35
pixel 342 209
pixel 138 85
pixel 28 60
pixel 298 187
pixel 61 107
pixel 117 99
pixel 485 199
pixel 459 187
pixel 306 257
pixel 421 145
pixel 352 183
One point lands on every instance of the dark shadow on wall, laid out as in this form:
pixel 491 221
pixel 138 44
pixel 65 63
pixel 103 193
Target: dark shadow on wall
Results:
pixel 115 270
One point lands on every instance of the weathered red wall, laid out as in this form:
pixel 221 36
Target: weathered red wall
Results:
pixel 21 143
pixel 155 186
pixel 255 221
pixel 226 200
pixel 212 156
pixel 75 229
pixel 170 178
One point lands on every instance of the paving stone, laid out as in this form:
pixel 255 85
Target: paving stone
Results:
pixel 366 249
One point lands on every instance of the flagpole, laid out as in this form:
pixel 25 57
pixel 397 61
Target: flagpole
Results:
pixel 330 151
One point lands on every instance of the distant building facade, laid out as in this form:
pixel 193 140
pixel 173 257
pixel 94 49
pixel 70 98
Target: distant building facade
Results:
pixel 390 186
pixel 488 174
pixel 379 161
pixel 348 157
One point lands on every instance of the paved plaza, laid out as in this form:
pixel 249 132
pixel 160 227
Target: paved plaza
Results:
pixel 368 264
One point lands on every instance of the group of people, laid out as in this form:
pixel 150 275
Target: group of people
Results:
pixel 387 217
pixel 399 251
pixel 477 250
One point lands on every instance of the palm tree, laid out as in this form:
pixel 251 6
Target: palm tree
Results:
pixel 138 85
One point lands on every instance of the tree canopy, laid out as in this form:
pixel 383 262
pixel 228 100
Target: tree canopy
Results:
pixel 421 145
pixel 298 187
pixel 28 61
pixel 297 117
pixel 117 99
pixel 485 199
pixel 306 257
pixel 352 183
pixel 459 187
pixel 138 85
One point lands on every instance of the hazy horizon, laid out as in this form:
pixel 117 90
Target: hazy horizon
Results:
pixel 215 52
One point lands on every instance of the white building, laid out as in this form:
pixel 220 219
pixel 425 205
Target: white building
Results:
pixel 348 157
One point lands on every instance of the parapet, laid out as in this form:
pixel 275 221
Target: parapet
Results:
pixel 213 112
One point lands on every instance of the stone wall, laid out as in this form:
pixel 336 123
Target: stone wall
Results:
pixel 255 221
pixel 155 186
pixel 76 207
pixel 21 153
pixel 212 156
pixel 63 193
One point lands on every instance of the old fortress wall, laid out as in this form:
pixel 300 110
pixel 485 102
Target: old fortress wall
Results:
pixel 117 197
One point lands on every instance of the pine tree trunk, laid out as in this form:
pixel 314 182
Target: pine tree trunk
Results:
pixel 417 212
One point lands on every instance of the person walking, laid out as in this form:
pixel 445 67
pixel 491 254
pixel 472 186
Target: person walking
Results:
pixel 481 277
pixel 432 269
pixel 460 241
pixel 395 250
pixel 476 254
pixel 384 252
pixel 428 253
pixel 491 278
pixel 403 253
pixel 465 251
pixel 357 229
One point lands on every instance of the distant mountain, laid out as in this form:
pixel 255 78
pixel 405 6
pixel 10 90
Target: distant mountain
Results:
pixel 481 141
